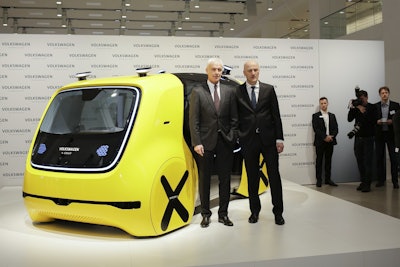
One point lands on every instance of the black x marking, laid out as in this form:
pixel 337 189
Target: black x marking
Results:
pixel 174 203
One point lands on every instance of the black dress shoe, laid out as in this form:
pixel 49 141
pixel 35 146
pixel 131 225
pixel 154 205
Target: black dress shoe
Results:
pixel 366 188
pixel 319 183
pixel 360 187
pixel 253 218
pixel 331 183
pixel 205 222
pixel 279 220
pixel 225 220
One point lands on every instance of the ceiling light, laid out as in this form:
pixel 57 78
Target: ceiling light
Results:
pixel 59 10
pixel 245 13
pixel 270 4
pixel 127 2
pixel 186 14
pixel 232 22
pixel 123 23
pixel 196 4
pixel 64 19
pixel 58 2
pixel 5 16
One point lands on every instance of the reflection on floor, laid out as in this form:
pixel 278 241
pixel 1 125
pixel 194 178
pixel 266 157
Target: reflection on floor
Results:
pixel 382 199
pixel 320 230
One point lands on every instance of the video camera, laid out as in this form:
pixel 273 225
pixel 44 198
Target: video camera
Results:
pixel 358 101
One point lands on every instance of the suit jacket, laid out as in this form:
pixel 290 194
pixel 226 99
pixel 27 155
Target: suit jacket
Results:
pixel 396 128
pixel 393 107
pixel 206 123
pixel 319 127
pixel 264 120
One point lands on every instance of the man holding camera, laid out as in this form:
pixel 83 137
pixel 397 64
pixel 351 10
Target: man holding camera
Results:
pixel 364 114
pixel 384 136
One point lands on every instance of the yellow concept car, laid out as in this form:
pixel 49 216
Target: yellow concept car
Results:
pixel 114 152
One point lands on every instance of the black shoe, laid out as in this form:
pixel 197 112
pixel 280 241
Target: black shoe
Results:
pixel 279 220
pixel 319 183
pixel 331 183
pixel 380 184
pixel 225 220
pixel 366 188
pixel 205 222
pixel 253 218
pixel 395 186
pixel 360 187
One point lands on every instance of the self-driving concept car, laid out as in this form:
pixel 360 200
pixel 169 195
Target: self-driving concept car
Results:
pixel 114 151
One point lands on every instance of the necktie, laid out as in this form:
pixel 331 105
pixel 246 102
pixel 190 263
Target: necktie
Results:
pixel 253 98
pixel 216 97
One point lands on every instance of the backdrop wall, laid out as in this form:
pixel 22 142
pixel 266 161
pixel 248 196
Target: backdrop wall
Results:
pixel 33 66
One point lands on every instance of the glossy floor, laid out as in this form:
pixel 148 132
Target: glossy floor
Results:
pixel 320 230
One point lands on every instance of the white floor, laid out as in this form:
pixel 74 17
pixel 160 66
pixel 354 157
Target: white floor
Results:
pixel 320 230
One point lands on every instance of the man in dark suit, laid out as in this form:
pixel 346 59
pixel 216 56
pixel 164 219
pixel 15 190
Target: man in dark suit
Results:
pixel 396 132
pixel 325 128
pixel 213 123
pixel 384 135
pixel 260 132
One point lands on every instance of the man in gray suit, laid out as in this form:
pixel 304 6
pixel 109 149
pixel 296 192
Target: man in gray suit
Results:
pixel 213 123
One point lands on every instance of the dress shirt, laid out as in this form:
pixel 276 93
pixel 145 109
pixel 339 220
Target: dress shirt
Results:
pixel 385 114
pixel 256 90
pixel 211 88
pixel 325 116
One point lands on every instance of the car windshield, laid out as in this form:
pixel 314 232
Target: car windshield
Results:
pixel 89 110
pixel 86 129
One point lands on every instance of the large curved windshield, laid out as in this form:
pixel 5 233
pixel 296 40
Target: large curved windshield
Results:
pixel 85 129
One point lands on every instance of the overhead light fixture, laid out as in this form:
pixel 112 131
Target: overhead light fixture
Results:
pixel 59 9
pixel 5 16
pixel 64 19
pixel 245 13
pixel 196 4
pixel 127 2
pixel 232 22
pixel 270 5
pixel 186 14
pixel 123 23
pixel 179 24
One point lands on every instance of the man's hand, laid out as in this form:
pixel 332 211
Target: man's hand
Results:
pixel 199 149
pixel 279 147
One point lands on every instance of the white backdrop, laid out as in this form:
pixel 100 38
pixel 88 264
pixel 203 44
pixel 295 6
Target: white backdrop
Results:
pixel 33 66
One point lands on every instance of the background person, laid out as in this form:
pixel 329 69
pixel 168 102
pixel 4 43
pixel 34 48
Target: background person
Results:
pixel 325 128
pixel 384 136
pixel 213 123
pixel 260 132
pixel 364 114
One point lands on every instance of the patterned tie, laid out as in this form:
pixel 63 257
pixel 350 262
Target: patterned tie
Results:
pixel 216 97
pixel 253 97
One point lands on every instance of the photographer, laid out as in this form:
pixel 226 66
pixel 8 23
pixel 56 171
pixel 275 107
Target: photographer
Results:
pixel 364 114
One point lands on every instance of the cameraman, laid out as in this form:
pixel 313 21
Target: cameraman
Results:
pixel 364 114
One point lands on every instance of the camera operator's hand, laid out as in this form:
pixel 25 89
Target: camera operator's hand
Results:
pixel 361 108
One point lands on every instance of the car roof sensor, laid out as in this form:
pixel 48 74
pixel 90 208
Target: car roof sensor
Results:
pixel 82 75
pixel 143 71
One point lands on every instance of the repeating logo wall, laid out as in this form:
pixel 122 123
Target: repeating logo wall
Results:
pixel 33 66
